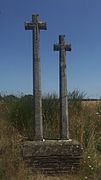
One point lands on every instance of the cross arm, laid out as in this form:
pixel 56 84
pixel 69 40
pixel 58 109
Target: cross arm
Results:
pixel 68 47
pixel 56 47
pixel 42 25
pixel 29 26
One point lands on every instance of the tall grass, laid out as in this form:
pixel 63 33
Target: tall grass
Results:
pixel 16 116
pixel 21 115
pixel 51 116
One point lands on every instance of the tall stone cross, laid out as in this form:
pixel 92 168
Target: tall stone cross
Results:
pixel 36 26
pixel 62 48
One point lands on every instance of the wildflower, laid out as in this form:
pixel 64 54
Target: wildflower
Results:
pixel 88 157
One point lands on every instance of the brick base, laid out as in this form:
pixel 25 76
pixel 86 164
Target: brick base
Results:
pixel 52 156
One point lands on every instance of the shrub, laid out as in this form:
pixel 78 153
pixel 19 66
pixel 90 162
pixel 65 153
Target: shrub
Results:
pixel 20 115
pixel 2 171
pixel 51 116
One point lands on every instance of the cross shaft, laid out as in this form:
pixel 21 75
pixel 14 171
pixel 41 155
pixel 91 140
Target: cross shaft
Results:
pixel 36 26
pixel 62 48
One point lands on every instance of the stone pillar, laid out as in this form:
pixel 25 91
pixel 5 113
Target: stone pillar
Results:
pixel 62 48
pixel 36 26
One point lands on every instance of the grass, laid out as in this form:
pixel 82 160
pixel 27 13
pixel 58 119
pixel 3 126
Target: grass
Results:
pixel 15 124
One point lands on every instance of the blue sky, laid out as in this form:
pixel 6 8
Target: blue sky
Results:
pixel 79 20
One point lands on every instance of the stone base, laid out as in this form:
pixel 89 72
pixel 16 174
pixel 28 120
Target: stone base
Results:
pixel 52 156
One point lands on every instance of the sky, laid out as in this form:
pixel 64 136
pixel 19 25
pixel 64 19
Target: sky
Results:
pixel 78 20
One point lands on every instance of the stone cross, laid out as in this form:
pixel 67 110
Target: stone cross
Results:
pixel 62 48
pixel 36 26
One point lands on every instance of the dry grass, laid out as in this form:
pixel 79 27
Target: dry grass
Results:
pixel 12 166
pixel 10 157
pixel 43 177
pixel 85 126
pixel 91 105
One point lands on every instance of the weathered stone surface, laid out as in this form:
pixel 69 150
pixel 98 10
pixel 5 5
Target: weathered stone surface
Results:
pixel 62 48
pixel 36 26
pixel 52 156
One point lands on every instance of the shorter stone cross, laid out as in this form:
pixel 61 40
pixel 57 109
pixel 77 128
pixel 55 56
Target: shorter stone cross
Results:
pixel 62 48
